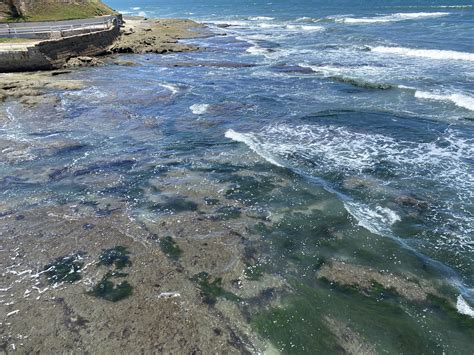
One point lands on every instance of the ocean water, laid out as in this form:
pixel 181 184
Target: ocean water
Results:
pixel 349 124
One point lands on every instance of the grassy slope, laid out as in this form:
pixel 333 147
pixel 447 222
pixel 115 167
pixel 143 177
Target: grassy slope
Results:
pixel 54 12
pixel 17 40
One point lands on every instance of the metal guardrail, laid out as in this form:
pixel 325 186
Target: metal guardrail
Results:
pixel 23 32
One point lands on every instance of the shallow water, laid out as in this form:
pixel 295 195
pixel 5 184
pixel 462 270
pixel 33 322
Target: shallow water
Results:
pixel 343 132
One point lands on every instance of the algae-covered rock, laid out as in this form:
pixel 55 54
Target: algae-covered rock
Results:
pixel 212 290
pixel 370 280
pixel 117 256
pixel 111 291
pixel 170 248
pixel 65 269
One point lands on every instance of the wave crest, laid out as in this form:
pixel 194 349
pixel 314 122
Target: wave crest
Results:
pixel 425 53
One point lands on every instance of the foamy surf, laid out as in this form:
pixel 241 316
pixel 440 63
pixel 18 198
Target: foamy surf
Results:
pixel 425 53
pixel 305 28
pixel 392 18
pixel 463 307
pixel 377 220
pixel 199 109
pixel 260 18
pixel 173 88
pixel 314 150
pixel 365 76
pixel 252 142
pixel 460 100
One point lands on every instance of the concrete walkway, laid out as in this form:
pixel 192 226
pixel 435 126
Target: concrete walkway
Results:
pixel 48 24
pixel 35 29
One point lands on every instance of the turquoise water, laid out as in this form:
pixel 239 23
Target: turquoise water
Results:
pixel 349 125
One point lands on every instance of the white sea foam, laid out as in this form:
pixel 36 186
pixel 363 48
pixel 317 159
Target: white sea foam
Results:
pixel 256 50
pixel 360 71
pixel 377 220
pixel 269 25
pixel 250 140
pixel 391 18
pixel 365 76
pixel 463 307
pixel 305 28
pixel 142 14
pixel 305 19
pixel 317 150
pixel 236 23
pixel 260 18
pixel 458 99
pixel 136 8
pixel 173 88
pixel 199 109
pixel 425 53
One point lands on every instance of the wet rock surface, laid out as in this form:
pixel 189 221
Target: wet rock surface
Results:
pixel 66 278
pixel 142 35
pixel 367 279
pixel 35 88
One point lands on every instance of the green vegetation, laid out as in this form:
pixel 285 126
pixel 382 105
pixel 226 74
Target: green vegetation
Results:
pixel 117 256
pixel 211 291
pixel 175 204
pixel 65 269
pixel 300 325
pixel 55 10
pixel 228 212
pixel 169 247
pixel 110 291
pixel 253 272
pixel 444 307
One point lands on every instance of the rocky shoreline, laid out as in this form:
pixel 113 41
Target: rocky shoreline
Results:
pixel 138 36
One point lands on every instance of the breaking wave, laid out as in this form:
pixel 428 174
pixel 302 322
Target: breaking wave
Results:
pixel 458 99
pixel 391 18
pixel 425 53
pixel 351 75
pixel 325 151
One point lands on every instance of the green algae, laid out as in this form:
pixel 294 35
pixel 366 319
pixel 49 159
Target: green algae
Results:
pixel 253 272
pixel 249 189
pixel 228 212
pixel 117 256
pixel 211 201
pixel 299 326
pixel 176 205
pixel 170 248
pixel 212 290
pixel 444 308
pixel 111 291
pixel 65 269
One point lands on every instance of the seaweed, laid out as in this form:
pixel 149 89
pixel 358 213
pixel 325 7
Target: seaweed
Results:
pixel 299 326
pixel 65 269
pixel 249 189
pixel 228 212
pixel 253 272
pixel 211 291
pixel 110 291
pixel 443 305
pixel 170 248
pixel 117 256
pixel 176 205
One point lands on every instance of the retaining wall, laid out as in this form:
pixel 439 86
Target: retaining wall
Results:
pixel 54 54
